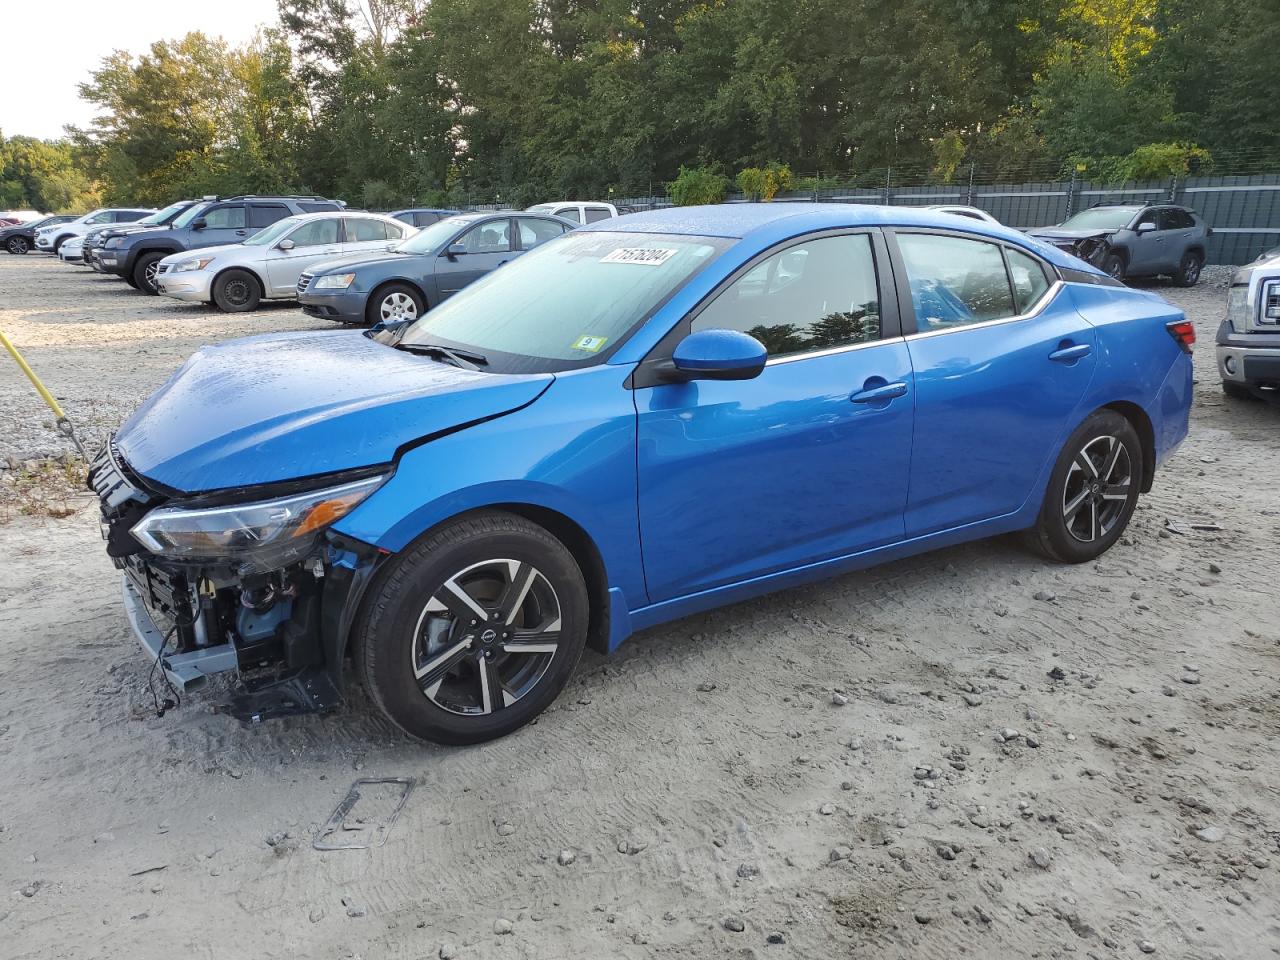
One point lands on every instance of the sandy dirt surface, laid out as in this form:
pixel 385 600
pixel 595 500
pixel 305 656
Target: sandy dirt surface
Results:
pixel 971 753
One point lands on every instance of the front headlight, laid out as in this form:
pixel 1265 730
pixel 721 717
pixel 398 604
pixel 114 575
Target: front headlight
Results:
pixel 335 281
pixel 113 242
pixel 283 529
pixel 189 266
pixel 1238 307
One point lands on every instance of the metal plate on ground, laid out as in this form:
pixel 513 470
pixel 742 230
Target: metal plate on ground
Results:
pixel 349 828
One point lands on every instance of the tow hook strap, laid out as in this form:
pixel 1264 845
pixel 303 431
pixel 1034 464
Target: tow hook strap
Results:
pixel 62 422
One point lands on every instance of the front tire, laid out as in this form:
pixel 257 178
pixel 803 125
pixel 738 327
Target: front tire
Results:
pixel 57 244
pixel 144 271
pixel 474 631
pixel 1092 491
pixel 17 246
pixel 393 303
pixel 1113 266
pixel 237 291
pixel 1189 267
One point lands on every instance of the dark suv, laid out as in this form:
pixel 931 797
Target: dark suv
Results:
pixel 94 240
pixel 1135 240
pixel 214 221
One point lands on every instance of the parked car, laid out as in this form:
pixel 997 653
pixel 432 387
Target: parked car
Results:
pixel 1130 240
pixel 95 238
pixel 575 211
pixel 267 265
pixel 215 222
pixel 763 394
pixel 70 251
pixel 424 270
pixel 960 210
pixel 20 216
pixel 422 216
pixel 50 238
pixel 21 238
pixel 1248 341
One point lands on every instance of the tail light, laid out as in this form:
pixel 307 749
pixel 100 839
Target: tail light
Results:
pixel 1184 332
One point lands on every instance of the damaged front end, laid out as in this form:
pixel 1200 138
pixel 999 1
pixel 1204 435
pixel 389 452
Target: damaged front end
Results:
pixel 251 581
pixel 1092 249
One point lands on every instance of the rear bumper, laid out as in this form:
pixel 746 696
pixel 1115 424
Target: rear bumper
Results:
pixel 184 670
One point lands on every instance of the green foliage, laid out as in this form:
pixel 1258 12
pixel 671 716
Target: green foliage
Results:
pixel 44 176
pixel 948 151
pixel 764 183
pixel 1158 160
pixel 698 185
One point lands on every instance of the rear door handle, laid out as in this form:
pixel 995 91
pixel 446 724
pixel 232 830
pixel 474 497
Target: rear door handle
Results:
pixel 888 391
pixel 1071 354
pixel 241 233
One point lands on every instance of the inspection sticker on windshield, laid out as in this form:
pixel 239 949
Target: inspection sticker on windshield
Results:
pixel 589 344
pixel 646 256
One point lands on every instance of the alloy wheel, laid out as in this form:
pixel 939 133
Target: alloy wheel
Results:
pixel 18 245
pixel 1191 272
pixel 150 273
pixel 397 306
pixel 486 637
pixel 1097 489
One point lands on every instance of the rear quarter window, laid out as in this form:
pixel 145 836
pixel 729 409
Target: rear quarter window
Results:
pixel 317 206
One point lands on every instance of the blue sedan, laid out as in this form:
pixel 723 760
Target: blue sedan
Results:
pixel 650 417
pixel 414 275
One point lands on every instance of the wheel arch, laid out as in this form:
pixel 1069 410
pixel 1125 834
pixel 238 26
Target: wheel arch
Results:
pixel 262 287
pixel 1142 425
pixel 391 281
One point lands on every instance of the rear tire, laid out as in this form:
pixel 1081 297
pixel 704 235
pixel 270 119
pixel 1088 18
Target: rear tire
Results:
pixel 237 291
pixel 1092 491
pixel 449 667
pixel 18 246
pixel 1188 274
pixel 1113 266
pixel 143 273
pixel 393 303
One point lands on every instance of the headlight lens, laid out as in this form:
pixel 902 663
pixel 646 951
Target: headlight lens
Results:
pixel 198 263
pixel 283 529
pixel 113 242
pixel 335 281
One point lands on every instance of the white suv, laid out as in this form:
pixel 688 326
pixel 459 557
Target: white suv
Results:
pixel 50 239
pixel 267 266
pixel 584 211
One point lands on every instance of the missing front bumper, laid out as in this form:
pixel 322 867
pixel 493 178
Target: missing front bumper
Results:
pixel 184 670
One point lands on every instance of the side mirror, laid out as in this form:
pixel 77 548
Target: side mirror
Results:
pixel 285 244
pixel 455 250
pixel 199 223
pixel 391 247
pixel 1146 227
pixel 716 355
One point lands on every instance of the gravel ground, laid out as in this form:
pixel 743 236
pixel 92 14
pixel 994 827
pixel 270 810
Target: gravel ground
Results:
pixel 967 753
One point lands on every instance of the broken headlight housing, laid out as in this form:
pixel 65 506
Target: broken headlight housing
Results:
pixel 266 534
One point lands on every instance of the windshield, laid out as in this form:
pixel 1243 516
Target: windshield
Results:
pixel 567 303
pixel 162 216
pixel 269 235
pixel 185 219
pixel 1100 218
pixel 429 239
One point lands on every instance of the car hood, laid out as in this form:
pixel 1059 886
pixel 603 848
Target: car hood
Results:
pixel 222 249
pixel 295 405
pixel 354 261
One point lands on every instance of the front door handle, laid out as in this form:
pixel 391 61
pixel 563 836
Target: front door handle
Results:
pixel 241 233
pixel 880 394
pixel 1070 354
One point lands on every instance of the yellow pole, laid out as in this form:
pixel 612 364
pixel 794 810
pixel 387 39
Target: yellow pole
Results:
pixel 64 425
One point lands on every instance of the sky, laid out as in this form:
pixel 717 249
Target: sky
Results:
pixel 55 44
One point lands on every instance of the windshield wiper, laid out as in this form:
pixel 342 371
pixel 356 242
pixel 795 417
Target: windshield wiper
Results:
pixel 459 358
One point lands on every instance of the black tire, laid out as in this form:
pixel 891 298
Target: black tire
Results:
pixel 143 273
pixel 405 627
pixel 396 301
pixel 1237 391
pixel 128 278
pixel 237 291
pixel 1188 273
pixel 18 246
pixel 57 244
pixel 1092 491
pixel 1113 265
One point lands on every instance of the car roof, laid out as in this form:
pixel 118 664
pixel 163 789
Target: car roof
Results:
pixel 771 221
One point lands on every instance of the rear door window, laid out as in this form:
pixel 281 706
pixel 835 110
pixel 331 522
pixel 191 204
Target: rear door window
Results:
pixel 425 219
pixel 569 213
pixel 493 236
pixel 315 233
pixel 265 214
pixel 535 231
pixel 317 206
pixel 955 281
pixel 362 229
pixel 595 214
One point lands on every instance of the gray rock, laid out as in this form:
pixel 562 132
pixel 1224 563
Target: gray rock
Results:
pixel 1040 857
pixel 1008 734
pixel 1146 946
pixel 838 698
pixel 1214 568
pixel 972 699
pixel 502 926
pixel 775 937
pixel 827 809
pixel 1210 834
pixel 32 888
pixel 706 686
pixel 923 918
pixel 839 853
pixel 566 857
pixel 448 951
pixel 748 871
pixel 946 853
pixel 505 829
pixel 1045 596
pixel 734 925
pixel 354 909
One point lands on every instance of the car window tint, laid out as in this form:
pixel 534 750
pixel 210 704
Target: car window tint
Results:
pixel 1029 280
pixel 534 232
pixel 570 213
pixel 1173 219
pixel 425 219
pixel 955 281
pixel 100 218
pixel 811 296
pixel 1149 217
pixel 225 218
pixel 265 214
pixel 315 233
pixel 362 229
pixel 596 214
pixel 317 206
pixel 490 237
